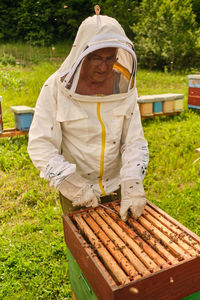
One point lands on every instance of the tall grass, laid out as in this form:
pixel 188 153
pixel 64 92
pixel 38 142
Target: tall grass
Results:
pixel 25 53
pixel 33 261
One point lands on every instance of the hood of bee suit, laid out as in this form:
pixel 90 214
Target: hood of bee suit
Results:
pixel 94 33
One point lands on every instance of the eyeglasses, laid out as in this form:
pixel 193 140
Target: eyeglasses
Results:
pixel 98 60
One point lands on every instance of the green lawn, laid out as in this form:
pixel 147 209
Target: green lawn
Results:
pixel 33 262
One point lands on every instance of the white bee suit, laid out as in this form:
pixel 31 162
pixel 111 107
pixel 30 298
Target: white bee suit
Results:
pixel 99 137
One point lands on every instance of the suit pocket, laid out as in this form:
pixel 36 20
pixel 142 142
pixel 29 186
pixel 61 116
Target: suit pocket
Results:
pixel 119 115
pixel 74 122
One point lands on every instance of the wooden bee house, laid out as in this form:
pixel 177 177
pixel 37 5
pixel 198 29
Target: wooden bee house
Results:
pixel 23 116
pixel 194 91
pixel 162 104
pixel 152 258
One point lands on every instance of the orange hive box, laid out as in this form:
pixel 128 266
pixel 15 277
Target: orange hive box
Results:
pixel 154 257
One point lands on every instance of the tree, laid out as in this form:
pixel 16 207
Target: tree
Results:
pixel 47 21
pixel 8 22
pixel 35 22
pixel 196 9
pixel 69 16
pixel 126 12
pixel 166 35
pixel 42 21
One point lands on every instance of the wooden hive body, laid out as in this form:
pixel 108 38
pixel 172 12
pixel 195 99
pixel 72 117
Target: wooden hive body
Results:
pixel 161 104
pixel 194 91
pixel 154 257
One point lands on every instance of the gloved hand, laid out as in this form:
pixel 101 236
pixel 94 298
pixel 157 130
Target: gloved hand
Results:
pixel 133 198
pixel 78 191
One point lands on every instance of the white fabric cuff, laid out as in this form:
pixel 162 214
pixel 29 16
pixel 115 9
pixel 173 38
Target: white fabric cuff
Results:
pixel 58 169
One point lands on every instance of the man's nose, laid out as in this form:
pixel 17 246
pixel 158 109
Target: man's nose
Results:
pixel 103 65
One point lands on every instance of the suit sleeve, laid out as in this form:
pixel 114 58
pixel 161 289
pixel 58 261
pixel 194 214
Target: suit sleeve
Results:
pixel 45 137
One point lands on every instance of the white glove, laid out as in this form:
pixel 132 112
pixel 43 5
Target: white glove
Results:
pixel 78 191
pixel 133 198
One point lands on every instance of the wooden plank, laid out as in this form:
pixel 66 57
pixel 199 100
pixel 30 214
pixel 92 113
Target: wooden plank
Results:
pixel 149 250
pixel 170 234
pixel 161 115
pixel 110 263
pixel 12 132
pixel 111 247
pixel 99 263
pixel 118 242
pixel 173 284
pixel 172 246
pixel 178 233
pixel 138 251
pixel 86 261
pixel 175 222
pixel 150 239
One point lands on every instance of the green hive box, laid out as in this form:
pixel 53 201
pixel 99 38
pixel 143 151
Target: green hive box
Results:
pixel 79 283
pixel 82 289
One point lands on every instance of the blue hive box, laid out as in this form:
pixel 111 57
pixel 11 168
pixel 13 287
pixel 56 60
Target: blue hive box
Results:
pixel 23 117
pixel 157 107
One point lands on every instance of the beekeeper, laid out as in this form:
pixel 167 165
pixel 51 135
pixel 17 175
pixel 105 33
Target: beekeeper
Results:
pixel 86 137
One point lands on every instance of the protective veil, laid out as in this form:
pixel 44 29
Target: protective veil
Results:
pixel 99 137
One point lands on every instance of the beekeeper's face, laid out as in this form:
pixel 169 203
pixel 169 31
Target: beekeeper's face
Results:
pixel 98 66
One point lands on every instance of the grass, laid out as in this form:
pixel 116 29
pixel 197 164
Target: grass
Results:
pixel 28 54
pixel 33 262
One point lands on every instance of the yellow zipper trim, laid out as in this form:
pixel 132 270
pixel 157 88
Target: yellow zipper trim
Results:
pixel 103 144
pixel 124 71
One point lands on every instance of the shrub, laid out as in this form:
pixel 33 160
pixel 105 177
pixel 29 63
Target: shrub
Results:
pixel 42 22
pixel 7 59
pixel 126 12
pixel 166 35
pixel 8 81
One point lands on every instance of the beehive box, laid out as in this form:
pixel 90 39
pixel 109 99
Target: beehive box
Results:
pixel 1 117
pixel 178 105
pixel 158 107
pixel 23 116
pixel 162 104
pixel 194 91
pixel 153 258
pixel 168 107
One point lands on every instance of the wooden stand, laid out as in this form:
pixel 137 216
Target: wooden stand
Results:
pixel 161 115
pixel 12 132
